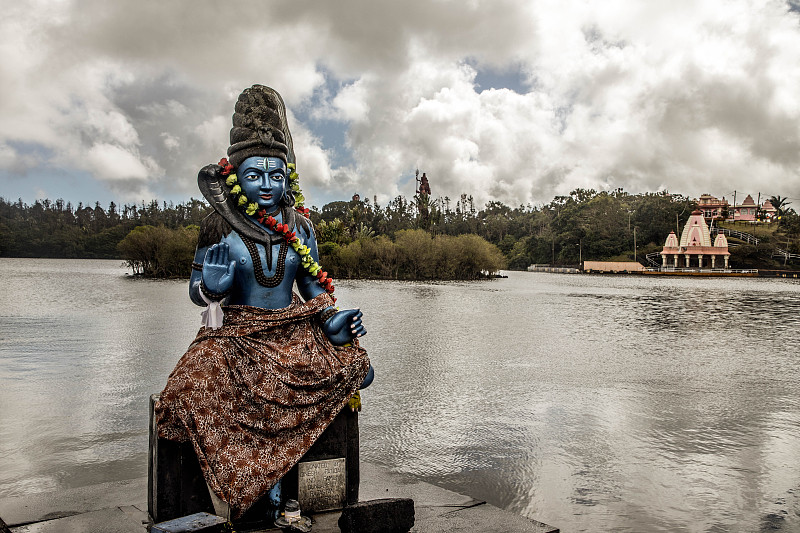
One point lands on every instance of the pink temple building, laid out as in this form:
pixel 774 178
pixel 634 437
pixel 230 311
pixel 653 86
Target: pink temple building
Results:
pixel 746 211
pixel 769 210
pixel 712 207
pixel 695 245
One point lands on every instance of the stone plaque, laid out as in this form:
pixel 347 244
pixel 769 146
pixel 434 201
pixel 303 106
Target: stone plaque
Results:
pixel 321 485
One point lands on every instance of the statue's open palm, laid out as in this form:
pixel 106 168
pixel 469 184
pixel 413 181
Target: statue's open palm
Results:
pixel 218 269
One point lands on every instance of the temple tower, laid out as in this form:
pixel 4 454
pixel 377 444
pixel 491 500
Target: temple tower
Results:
pixel 695 246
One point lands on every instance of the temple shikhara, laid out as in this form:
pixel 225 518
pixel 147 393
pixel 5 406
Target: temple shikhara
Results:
pixel 695 246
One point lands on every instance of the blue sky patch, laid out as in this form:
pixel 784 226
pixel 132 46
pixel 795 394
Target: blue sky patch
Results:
pixel 512 79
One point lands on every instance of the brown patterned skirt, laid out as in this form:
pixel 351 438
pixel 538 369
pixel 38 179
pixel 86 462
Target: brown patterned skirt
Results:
pixel 254 395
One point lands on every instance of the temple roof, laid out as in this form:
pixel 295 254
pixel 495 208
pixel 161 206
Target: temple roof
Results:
pixel 672 240
pixel 695 232
pixel 695 239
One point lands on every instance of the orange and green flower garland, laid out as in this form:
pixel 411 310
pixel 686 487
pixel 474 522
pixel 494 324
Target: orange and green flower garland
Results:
pixel 251 208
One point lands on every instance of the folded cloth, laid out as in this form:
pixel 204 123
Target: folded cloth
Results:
pixel 254 395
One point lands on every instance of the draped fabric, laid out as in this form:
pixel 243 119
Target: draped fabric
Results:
pixel 254 395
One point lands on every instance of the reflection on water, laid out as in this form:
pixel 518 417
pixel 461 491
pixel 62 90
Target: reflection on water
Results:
pixel 81 348
pixel 592 403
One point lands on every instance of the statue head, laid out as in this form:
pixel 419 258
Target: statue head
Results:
pixel 262 155
pixel 264 181
pixel 260 136
pixel 260 127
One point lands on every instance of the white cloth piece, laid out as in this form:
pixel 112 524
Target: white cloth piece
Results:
pixel 212 315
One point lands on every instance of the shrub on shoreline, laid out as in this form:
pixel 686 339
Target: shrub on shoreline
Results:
pixel 160 252
pixel 413 255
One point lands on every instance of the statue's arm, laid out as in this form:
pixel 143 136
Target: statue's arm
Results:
pixel 340 327
pixel 306 283
pixel 215 278
pixel 213 232
pixel 197 274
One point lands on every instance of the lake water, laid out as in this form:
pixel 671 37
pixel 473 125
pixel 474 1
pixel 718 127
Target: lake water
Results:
pixel 590 403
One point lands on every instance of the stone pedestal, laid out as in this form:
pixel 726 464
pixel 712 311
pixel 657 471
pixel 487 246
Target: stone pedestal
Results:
pixel 338 442
pixel 176 486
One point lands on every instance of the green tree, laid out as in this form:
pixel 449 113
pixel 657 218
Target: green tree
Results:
pixel 333 231
pixel 160 251
pixel 780 203
pixel 416 257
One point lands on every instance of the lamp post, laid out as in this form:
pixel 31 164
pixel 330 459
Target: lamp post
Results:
pixel 786 256
pixel 580 254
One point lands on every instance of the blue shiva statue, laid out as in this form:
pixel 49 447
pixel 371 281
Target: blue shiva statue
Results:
pixel 269 370
pixel 228 267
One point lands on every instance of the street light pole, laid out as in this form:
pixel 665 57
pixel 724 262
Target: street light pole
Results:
pixel 786 255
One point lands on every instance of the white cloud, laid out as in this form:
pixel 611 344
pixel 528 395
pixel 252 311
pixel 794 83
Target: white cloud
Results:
pixel 110 162
pixel 212 134
pixel 690 95
pixel 8 157
pixel 171 142
pixel 351 104
pixel 111 125
pixel 313 162
pixel 164 109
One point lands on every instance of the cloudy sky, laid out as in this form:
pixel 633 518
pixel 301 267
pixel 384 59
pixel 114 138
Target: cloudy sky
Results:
pixel 509 100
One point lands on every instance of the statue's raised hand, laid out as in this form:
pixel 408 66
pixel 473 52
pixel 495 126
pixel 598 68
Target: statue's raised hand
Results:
pixel 218 269
pixel 344 326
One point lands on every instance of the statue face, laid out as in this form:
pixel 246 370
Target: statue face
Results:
pixel 263 180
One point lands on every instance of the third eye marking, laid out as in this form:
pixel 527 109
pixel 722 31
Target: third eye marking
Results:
pixel 266 163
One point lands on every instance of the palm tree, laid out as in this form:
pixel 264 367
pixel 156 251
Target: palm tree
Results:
pixel 779 203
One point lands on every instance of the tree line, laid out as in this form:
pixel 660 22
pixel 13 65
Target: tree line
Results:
pixel 417 238
pixel 60 230
pixel 586 224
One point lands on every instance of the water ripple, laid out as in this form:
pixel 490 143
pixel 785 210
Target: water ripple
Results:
pixel 595 403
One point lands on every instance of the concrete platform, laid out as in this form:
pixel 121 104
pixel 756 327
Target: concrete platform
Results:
pixel 121 507
pixel 65 503
pixel 113 520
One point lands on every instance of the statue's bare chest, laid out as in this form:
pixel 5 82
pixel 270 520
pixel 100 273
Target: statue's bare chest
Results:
pixel 262 277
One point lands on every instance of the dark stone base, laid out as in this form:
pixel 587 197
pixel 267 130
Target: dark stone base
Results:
pixel 175 483
pixel 390 515
pixel 176 486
